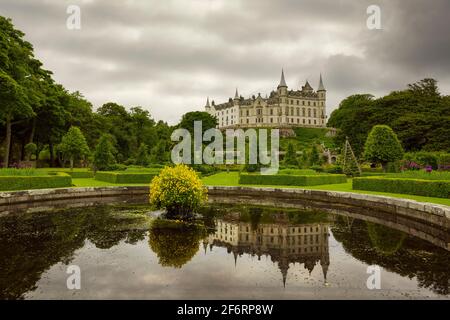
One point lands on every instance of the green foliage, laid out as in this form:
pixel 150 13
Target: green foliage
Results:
pixel 104 154
pixel 298 172
pixel 444 161
pixel 290 157
pixel 30 149
pixel 142 157
pixel 419 115
pixel 314 157
pixel 25 182
pixel 18 172
pixel 422 174
pixel 188 119
pixel 423 158
pixel 179 190
pixel 382 145
pixel 159 154
pixel 427 188
pixel 291 180
pixel 73 145
pixel 126 177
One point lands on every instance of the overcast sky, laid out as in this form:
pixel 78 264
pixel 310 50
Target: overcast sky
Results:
pixel 168 56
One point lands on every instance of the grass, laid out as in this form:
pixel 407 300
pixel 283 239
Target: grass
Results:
pixel 232 179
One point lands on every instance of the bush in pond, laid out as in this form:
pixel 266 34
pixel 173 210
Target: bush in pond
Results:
pixel 179 190
pixel 175 242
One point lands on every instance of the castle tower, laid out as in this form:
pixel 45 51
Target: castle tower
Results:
pixel 236 98
pixel 282 87
pixel 321 90
pixel 207 107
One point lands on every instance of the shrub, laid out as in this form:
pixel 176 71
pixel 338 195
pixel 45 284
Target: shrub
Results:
pixel 142 157
pixel 427 188
pixel 382 146
pixel 179 190
pixel 298 172
pixel 125 177
pixel 22 182
pixel 291 180
pixel 75 174
pixel 421 159
pixel 30 149
pixel 444 161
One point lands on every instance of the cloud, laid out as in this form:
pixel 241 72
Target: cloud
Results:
pixel 168 56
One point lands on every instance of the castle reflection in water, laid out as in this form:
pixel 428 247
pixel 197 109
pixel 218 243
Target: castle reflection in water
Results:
pixel 285 243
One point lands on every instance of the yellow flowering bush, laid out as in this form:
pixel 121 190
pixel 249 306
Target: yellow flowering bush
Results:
pixel 179 190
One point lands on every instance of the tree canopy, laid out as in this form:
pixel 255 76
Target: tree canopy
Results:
pixel 419 115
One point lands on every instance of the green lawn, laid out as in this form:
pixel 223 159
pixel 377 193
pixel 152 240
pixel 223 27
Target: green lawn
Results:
pixel 232 178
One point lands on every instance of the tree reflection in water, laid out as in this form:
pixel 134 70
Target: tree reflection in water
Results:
pixel 32 243
pixel 396 252
pixel 175 242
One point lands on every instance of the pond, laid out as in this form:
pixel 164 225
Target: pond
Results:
pixel 126 251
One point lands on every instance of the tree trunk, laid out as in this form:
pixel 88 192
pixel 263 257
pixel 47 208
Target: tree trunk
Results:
pixel 7 142
pixel 71 163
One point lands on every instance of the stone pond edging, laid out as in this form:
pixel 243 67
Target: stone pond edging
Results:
pixel 425 212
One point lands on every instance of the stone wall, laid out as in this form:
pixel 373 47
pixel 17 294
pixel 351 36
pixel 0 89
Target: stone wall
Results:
pixel 399 208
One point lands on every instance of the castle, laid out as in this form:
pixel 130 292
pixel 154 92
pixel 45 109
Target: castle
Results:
pixel 286 244
pixel 282 109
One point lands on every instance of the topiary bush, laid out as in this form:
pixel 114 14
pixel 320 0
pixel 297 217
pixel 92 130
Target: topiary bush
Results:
pixel 45 181
pixel 178 190
pixel 291 180
pixel 419 187
pixel 126 177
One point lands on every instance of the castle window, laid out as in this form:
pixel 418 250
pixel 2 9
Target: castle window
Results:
pixel 309 112
pixel 247 113
pixel 314 104
pixel 298 112
pixel 309 103
pixel 287 110
pixel 271 120
pixel 303 102
pixel 247 120
pixel 315 113
pixel 297 102
pixel 292 111
pixel 303 111
pixel 315 121
pixel 303 121
pixel 309 121
pixel 298 120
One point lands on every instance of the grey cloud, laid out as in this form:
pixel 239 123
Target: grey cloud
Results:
pixel 170 55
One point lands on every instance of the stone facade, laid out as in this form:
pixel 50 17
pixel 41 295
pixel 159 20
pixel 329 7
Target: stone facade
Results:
pixel 282 108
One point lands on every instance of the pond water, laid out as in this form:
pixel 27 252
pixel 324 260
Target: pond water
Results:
pixel 231 252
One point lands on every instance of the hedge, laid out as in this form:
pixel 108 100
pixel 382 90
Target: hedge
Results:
pixel 291 180
pixel 419 187
pixel 125 177
pixel 50 180
pixel 76 174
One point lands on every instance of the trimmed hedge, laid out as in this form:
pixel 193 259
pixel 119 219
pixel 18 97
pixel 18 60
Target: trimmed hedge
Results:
pixel 50 180
pixel 419 187
pixel 76 174
pixel 291 180
pixel 125 177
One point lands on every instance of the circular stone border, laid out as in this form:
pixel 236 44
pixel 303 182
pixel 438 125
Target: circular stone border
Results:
pixel 426 212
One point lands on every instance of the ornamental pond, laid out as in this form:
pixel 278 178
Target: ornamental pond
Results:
pixel 230 251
